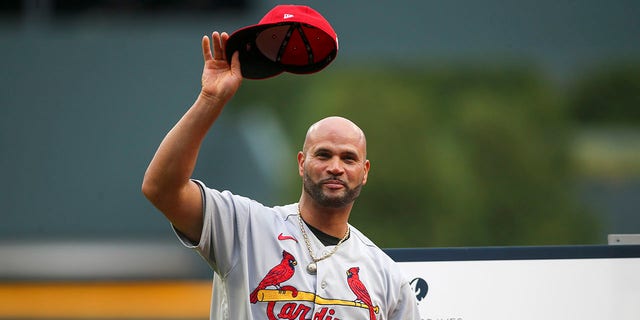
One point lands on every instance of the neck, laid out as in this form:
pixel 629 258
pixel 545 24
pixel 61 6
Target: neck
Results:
pixel 332 221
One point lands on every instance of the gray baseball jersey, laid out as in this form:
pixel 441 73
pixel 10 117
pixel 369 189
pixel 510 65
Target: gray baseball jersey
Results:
pixel 259 257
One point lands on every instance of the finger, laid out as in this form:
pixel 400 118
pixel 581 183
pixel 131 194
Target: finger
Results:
pixel 217 46
pixel 206 49
pixel 224 37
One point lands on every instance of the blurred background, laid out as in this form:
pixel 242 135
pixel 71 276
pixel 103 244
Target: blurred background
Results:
pixel 489 123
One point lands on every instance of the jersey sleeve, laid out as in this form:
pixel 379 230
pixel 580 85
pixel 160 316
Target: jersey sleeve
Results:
pixel 225 217
pixel 406 305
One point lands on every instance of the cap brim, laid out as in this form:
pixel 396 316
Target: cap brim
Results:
pixel 253 64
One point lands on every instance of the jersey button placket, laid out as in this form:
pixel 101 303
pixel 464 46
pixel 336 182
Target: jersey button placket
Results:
pixel 320 285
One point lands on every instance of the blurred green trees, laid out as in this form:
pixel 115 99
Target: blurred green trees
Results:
pixel 459 157
pixel 606 105
pixel 608 96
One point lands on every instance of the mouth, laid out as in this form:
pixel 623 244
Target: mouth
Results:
pixel 334 183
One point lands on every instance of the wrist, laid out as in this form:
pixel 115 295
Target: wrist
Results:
pixel 211 99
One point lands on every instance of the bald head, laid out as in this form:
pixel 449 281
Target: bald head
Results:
pixel 335 129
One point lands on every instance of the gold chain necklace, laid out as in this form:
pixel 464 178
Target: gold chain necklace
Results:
pixel 312 268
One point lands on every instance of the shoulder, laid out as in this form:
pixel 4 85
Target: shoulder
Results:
pixel 374 252
pixel 222 195
pixel 225 200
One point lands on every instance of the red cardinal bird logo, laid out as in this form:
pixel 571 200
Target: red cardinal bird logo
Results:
pixel 362 295
pixel 277 275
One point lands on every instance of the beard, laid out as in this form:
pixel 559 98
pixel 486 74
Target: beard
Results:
pixel 315 190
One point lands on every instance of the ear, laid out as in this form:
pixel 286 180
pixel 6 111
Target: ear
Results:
pixel 301 163
pixel 367 166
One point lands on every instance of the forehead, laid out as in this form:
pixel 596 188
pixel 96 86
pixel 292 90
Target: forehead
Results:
pixel 337 136
pixel 335 144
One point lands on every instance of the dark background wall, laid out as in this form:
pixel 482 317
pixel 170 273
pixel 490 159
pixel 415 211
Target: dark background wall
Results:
pixel 87 94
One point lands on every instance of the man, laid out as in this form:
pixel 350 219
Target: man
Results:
pixel 298 261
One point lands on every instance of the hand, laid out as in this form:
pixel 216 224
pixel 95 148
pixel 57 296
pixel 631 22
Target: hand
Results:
pixel 220 81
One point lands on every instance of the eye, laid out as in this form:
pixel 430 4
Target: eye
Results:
pixel 323 155
pixel 349 159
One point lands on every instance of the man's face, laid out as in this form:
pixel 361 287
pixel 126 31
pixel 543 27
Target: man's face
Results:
pixel 334 166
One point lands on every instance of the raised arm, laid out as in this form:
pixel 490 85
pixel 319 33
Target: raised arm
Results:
pixel 167 181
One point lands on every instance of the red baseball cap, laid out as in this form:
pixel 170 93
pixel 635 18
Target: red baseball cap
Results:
pixel 291 38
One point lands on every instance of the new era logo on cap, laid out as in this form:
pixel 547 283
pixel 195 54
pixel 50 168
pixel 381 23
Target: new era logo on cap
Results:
pixel 291 38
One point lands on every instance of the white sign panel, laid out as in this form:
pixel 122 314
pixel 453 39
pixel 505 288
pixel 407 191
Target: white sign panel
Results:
pixel 585 289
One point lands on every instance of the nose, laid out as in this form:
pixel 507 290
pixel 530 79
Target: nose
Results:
pixel 334 166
